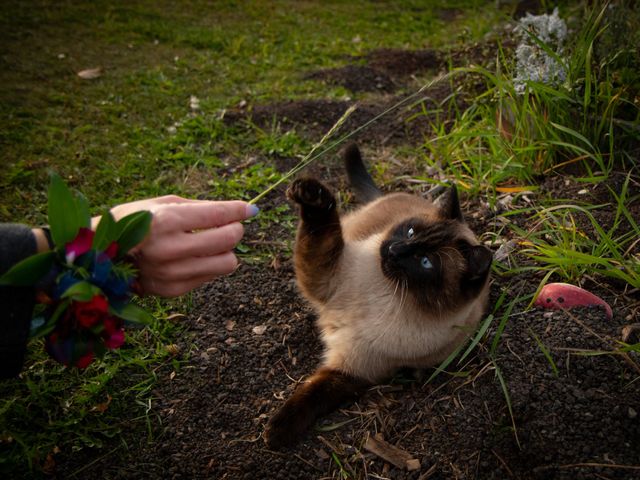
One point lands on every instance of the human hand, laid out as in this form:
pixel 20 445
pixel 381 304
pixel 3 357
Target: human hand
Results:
pixel 190 242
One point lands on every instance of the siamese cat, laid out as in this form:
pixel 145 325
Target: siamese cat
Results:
pixel 399 282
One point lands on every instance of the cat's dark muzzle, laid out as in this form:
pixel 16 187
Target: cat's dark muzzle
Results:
pixel 391 255
pixel 398 249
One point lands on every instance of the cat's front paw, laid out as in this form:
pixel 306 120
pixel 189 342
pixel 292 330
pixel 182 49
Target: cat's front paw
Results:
pixel 310 192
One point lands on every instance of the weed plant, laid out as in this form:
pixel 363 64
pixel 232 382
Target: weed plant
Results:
pixel 508 138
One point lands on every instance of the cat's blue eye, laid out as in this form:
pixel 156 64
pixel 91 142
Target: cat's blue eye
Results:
pixel 426 263
pixel 410 232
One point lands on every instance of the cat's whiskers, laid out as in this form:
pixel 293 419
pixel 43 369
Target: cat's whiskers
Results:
pixel 396 289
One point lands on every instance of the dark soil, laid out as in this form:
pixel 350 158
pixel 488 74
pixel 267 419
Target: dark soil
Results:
pixel 250 338
pixel 579 423
pixel 402 63
pixel 356 78
pixel 405 125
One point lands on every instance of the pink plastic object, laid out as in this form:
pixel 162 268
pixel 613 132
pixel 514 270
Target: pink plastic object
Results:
pixel 565 296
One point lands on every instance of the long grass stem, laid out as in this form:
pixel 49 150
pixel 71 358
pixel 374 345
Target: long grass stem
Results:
pixel 310 157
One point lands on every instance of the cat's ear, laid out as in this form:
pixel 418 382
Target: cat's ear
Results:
pixel 450 204
pixel 479 260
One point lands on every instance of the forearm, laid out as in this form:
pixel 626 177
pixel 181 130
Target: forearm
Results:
pixel 42 242
pixel 16 243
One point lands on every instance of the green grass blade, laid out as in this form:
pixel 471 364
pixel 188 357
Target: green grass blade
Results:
pixel 507 397
pixel 545 352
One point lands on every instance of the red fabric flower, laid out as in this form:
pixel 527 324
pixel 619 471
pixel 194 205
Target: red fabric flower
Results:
pixel 85 360
pixel 92 312
pixel 112 250
pixel 116 340
pixel 79 245
pixel 111 325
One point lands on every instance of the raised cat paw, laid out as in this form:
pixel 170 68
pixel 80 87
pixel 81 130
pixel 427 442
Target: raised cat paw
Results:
pixel 310 192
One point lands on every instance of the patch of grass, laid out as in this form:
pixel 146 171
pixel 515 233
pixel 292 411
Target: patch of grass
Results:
pixel 52 409
pixel 563 244
pixel 275 142
pixel 507 138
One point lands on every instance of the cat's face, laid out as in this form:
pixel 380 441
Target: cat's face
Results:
pixel 434 262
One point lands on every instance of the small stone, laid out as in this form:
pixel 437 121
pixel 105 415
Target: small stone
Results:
pixel 632 413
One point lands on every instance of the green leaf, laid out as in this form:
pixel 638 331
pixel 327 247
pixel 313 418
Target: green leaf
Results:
pixel 132 230
pixel 106 232
pixel 82 207
pixel 81 291
pixel 30 270
pixel 42 330
pixel 65 217
pixel 133 313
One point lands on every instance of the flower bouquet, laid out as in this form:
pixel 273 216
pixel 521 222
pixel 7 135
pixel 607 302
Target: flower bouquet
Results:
pixel 84 285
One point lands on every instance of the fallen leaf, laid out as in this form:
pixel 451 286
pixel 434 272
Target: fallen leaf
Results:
pixel 505 250
pixel 322 455
pixel 631 333
pixel 259 329
pixel 49 467
pixel 90 73
pixel 230 325
pixel 101 407
pixel 194 102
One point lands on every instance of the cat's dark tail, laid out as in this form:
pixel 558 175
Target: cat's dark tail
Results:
pixel 360 180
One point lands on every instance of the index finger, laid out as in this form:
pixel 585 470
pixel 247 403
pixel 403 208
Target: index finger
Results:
pixel 194 216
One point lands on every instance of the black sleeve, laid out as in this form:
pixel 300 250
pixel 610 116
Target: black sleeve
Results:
pixel 17 242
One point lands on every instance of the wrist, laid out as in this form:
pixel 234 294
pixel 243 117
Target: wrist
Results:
pixel 43 239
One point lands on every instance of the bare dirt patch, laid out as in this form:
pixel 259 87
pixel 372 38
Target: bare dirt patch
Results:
pixel 398 62
pixel 408 124
pixel 356 78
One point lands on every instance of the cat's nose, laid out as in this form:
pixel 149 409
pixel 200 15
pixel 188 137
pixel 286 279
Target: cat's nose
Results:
pixel 395 249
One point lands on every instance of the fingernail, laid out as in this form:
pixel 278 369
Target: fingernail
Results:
pixel 252 210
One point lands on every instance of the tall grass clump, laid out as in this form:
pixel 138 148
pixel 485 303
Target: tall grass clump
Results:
pixel 515 131
pixel 569 241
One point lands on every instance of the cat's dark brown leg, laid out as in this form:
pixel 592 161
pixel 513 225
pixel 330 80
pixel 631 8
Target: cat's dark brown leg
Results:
pixel 319 240
pixel 323 392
